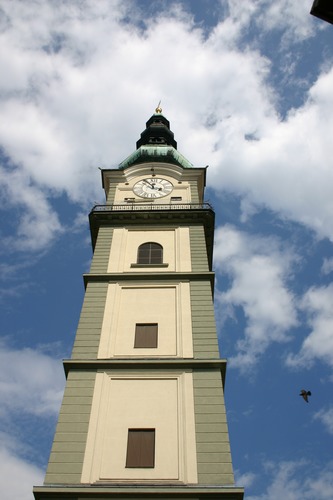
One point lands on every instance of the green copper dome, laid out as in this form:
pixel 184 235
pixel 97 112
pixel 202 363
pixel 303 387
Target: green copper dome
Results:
pixel 166 154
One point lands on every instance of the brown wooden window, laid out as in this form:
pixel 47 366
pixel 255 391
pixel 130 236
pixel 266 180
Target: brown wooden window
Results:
pixel 140 448
pixel 145 335
pixel 150 253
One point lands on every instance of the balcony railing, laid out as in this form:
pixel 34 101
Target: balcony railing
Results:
pixel 151 207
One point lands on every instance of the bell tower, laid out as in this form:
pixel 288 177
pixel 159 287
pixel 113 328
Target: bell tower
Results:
pixel 143 412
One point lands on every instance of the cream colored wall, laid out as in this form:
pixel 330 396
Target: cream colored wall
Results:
pixel 180 188
pixel 175 243
pixel 160 401
pixel 168 305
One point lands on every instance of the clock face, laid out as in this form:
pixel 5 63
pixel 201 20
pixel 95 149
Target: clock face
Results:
pixel 152 187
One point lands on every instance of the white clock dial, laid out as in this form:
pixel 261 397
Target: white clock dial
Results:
pixel 152 187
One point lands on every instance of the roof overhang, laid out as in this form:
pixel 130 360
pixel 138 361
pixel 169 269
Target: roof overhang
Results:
pixel 323 9
pixel 163 153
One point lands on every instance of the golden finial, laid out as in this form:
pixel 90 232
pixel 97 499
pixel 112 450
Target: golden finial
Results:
pixel 158 109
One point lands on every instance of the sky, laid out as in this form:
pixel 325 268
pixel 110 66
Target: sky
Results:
pixel 247 86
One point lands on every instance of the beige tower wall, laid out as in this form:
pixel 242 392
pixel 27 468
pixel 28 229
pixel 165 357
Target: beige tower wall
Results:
pixel 109 390
pixel 126 241
pixel 159 400
pixel 167 304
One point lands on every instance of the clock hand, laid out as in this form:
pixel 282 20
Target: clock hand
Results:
pixel 150 185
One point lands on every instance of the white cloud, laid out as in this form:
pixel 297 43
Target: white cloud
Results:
pixel 259 270
pixel 31 388
pixel 30 382
pixel 245 480
pixel 289 167
pixel 326 417
pixel 17 475
pixel 78 83
pixel 291 19
pixel 38 224
pixel 327 266
pixel 298 481
pixel 287 16
pixel 317 304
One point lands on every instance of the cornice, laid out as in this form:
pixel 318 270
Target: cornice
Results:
pixel 146 364
pixel 148 276
pixel 146 491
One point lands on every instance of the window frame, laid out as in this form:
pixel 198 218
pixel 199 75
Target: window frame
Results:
pixel 148 247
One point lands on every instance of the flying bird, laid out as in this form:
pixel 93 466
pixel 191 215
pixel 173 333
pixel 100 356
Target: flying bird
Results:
pixel 305 395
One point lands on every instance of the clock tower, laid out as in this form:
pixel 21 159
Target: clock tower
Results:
pixel 143 412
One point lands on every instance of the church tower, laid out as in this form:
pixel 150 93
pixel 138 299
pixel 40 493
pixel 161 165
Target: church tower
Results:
pixel 143 412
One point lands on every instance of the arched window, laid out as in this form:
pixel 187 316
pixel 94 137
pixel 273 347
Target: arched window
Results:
pixel 150 253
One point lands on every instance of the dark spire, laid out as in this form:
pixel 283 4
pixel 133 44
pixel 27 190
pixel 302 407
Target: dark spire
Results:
pixel 157 131
pixel 156 144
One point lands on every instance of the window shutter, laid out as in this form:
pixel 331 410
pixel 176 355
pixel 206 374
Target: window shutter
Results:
pixel 146 335
pixel 140 448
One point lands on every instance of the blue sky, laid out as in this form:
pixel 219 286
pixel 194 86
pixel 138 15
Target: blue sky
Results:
pixel 247 87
